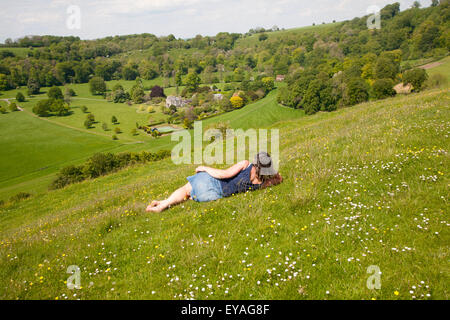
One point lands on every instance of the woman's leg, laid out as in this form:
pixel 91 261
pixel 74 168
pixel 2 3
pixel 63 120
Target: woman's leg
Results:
pixel 177 197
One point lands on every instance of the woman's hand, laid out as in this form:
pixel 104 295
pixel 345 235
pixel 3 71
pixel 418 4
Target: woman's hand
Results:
pixel 200 169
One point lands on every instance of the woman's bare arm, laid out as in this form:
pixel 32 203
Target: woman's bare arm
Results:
pixel 225 174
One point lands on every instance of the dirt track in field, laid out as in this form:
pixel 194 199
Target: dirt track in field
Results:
pixel 431 65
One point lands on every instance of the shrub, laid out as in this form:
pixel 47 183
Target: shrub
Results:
pixel 114 137
pixel 119 95
pixel 187 124
pixel 3 110
pixel 66 176
pixel 386 67
pixel 90 117
pixel 192 82
pixel 416 77
pixel 33 86
pixel 59 107
pixel 356 92
pixel 383 88
pixel 19 197
pixel 269 83
pixel 102 164
pixel 20 97
pixel 104 126
pixel 88 124
pixel 84 109
pixel 97 86
pixel 117 130
pixel 137 94
pixel 55 93
pixel 114 120
pixel 252 95
pixel 318 97
pixel 99 164
pixel 70 92
pixel 133 132
pixel 42 108
pixel 225 105
pixel 157 100
pixel 13 107
pixel 237 102
pixel 157 91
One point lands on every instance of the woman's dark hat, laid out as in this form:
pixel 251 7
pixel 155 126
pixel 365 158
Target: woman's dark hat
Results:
pixel 264 162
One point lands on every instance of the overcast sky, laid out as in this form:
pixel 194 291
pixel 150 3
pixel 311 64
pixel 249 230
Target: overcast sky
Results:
pixel 183 18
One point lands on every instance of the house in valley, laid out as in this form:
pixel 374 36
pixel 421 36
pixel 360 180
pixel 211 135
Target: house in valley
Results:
pixel 178 102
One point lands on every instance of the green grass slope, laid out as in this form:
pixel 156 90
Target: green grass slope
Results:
pixel 364 186
pixel 259 114
pixel 443 68
pixel 253 40
pixel 18 52
pixel 31 148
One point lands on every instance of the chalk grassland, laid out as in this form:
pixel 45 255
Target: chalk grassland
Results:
pixel 253 40
pixel 18 52
pixel 443 68
pixel 31 147
pixel 364 186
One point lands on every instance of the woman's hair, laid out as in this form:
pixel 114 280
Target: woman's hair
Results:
pixel 268 181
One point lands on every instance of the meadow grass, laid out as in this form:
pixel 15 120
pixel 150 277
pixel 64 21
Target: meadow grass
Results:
pixel 443 69
pixel 18 52
pixel 364 186
pixel 31 148
pixel 253 40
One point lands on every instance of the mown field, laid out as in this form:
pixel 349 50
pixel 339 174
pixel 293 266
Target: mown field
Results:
pixel 364 186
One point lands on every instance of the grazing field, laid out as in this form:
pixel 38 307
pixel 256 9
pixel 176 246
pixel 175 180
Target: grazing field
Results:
pixel 18 52
pixel 260 114
pixel 253 40
pixel 364 186
pixel 32 148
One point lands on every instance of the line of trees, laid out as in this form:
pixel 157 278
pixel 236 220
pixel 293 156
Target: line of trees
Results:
pixel 102 164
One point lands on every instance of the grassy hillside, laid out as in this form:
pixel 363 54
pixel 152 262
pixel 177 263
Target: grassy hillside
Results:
pixel 364 186
pixel 31 148
pixel 253 40
pixel 443 67
pixel 18 52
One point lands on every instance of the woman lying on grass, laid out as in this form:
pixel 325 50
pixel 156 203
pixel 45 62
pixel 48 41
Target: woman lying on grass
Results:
pixel 211 184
